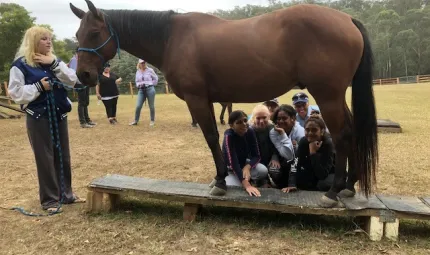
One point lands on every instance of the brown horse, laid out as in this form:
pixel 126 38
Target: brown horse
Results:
pixel 221 116
pixel 207 59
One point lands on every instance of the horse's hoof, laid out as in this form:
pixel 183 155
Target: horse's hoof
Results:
pixel 346 193
pixel 327 202
pixel 215 191
pixel 222 122
pixel 212 184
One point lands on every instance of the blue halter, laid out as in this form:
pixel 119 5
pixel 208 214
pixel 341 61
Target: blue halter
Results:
pixel 112 35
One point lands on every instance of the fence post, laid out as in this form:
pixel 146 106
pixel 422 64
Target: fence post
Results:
pixel 418 79
pixel 380 81
pixel 398 80
pixel 131 89
pixel 167 88
pixel 7 93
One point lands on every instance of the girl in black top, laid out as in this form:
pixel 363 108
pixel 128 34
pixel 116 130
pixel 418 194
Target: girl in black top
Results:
pixel 107 91
pixel 316 158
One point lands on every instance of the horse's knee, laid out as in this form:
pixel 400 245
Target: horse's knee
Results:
pixel 212 140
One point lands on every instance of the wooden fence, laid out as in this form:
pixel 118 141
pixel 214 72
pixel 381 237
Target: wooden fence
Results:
pixel 388 81
pixel 423 78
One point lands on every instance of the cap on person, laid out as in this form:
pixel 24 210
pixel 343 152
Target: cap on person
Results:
pixel 141 61
pixel 274 101
pixel 300 98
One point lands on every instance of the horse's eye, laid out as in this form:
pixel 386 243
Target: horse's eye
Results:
pixel 95 34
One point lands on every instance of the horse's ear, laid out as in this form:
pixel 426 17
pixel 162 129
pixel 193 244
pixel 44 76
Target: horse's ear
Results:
pixel 93 9
pixel 78 12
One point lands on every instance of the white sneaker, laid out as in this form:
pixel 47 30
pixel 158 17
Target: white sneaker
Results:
pixel 151 124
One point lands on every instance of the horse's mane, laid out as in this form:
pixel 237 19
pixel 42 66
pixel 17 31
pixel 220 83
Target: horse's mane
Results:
pixel 152 25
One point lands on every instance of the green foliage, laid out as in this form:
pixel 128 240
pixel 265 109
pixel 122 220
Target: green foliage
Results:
pixel 14 21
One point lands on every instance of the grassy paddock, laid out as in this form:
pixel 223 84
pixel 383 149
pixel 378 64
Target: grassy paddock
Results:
pixel 174 150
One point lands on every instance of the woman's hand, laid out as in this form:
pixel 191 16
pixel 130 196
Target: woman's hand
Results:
pixel 43 59
pixel 246 171
pixel 252 191
pixel 280 131
pixel 275 164
pixel 118 81
pixel 289 189
pixel 314 146
pixel 99 97
pixel 45 83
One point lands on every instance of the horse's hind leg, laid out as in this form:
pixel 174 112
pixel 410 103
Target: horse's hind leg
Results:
pixel 221 116
pixel 339 122
pixel 202 110
pixel 230 108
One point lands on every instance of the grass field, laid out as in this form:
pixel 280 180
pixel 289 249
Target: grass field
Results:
pixel 174 150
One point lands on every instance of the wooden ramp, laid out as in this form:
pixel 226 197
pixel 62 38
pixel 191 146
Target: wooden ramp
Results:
pixel 388 126
pixel 382 213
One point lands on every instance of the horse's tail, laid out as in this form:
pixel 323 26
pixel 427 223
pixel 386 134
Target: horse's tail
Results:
pixel 365 130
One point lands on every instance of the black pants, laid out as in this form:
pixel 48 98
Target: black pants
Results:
pixel 110 106
pixel 306 180
pixel 48 162
pixel 83 102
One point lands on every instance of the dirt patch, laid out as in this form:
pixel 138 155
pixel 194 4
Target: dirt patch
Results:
pixel 174 150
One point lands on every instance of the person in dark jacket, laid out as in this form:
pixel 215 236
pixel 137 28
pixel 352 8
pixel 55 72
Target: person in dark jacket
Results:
pixel 35 76
pixel 316 159
pixel 260 123
pixel 242 156
pixel 107 91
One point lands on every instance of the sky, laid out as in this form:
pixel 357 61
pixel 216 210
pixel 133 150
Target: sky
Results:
pixel 57 13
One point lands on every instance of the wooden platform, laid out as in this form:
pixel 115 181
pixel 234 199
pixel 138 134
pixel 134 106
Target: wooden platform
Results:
pixel 388 126
pixel 382 213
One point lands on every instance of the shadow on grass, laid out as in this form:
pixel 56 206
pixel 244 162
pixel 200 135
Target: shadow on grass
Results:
pixel 217 220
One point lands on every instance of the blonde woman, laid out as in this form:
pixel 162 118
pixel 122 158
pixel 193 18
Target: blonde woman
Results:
pixel 146 80
pixel 261 124
pixel 34 67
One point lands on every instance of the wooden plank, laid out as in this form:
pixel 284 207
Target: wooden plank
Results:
pixel 387 123
pixel 405 205
pixel 11 107
pixel 389 130
pixel 359 202
pixel 388 126
pixel 273 196
pixel 426 200
pixel 301 202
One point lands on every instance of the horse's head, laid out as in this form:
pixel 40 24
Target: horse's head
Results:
pixel 97 43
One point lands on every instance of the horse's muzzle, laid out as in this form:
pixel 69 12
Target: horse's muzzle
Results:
pixel 88 78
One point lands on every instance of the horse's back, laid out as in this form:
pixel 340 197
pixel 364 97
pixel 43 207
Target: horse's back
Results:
pixel 273 48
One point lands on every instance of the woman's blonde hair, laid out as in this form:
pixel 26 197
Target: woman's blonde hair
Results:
pixel 257 109
pixel 30 43
pixel 138 65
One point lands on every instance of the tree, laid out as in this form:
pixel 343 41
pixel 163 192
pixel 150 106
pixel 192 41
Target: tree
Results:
pixel 14 21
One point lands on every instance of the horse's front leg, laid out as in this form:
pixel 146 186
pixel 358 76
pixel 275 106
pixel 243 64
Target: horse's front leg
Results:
pixel 202 110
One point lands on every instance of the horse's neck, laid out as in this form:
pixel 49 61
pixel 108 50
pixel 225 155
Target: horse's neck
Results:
pixel 142 33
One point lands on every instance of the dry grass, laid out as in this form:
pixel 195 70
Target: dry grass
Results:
pixel 174 150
